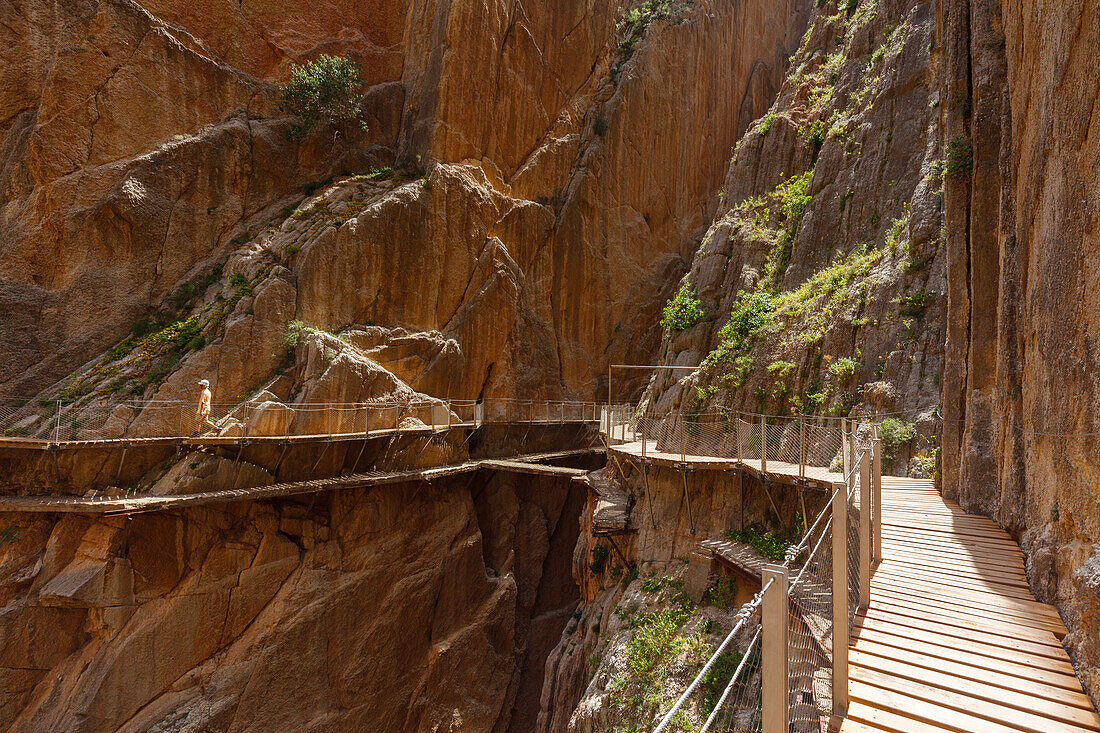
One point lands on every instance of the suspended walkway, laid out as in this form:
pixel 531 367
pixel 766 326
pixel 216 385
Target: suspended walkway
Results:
pixel 952 639
pixel 896 612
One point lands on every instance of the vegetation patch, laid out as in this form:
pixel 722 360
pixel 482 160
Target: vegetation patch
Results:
pixel 325 90
pixel 793 200
pixel 960 159
pixel 771 544
pixel 599 559
pixel 635 20
pixel 894 433
pixel 683 311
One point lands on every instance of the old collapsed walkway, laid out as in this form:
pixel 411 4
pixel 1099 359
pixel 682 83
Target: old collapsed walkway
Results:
pixel 953 639
pixel 530 464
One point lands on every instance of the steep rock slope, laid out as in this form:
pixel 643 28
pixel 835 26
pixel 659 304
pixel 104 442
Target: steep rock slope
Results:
pixel 1020 396
pixel 819 287
pixel 402 608
pixel 145 146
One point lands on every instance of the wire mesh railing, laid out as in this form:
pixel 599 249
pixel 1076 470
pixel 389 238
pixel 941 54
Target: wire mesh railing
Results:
pixel 822 584
pixel 59 421
pixel 801 446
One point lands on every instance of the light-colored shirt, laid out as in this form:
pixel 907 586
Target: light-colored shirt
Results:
pixel 204 403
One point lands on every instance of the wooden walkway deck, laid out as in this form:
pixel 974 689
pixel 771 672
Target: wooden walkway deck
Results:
pixel 953 640
pixel 778 470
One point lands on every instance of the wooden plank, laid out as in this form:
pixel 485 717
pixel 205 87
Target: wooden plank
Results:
pixel 925 557
pixel 938 657
pixel 885 720
pixel 991 654
pixel 903 531
pixel 931 613
pixel 979 536
pixel 1018 700
pixel 924 711
pixel 942 580
pixel 950 570
pixel 990 712
pixel 1040 616
pixel 901 626
pixel 950 563
pixel 943 550
pixel 1018 682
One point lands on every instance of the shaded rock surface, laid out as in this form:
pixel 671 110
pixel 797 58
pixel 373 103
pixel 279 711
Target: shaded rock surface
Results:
pixel 1020 393
pixel 407 608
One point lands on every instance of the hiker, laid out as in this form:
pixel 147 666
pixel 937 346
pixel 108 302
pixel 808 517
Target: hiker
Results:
pixel 203 417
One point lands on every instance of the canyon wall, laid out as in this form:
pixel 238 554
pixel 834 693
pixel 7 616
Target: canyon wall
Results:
pixel 820 286
pixel 1022 130
pixel 405 607
pixel 143 145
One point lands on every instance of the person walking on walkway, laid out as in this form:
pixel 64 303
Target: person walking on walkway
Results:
pixel 203 417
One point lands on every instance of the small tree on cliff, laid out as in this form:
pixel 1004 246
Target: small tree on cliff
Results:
pixel 325 90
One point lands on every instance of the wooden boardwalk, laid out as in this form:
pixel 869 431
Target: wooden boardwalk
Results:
pixel 778 470
pixel 953 640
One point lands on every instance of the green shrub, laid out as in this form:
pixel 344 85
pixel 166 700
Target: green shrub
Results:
pixel 717 677
pixel 960 159
pixel 312 186
pixel 599 559
pixel 915 303
pixel 723 594
pixel 815 133
pixel 750 313
pixel 655 641
pixel 325 90
pixel 894 433
pixel 844 368
pixel 683 311
pixel 766 122
pixel 793 201
pixel 293 335
pixel 772 545
pixel 633 21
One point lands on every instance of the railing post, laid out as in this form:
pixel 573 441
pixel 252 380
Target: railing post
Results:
pixel 681 435
pixel 57 424
pixel 845 459
pixel 737 433
pixel 763 444
pixel 773 650
pixel 865 539
pixel 841 632
pixel 876 492
pixel 802 447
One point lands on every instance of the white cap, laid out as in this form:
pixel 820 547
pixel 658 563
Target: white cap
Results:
pixel 204 383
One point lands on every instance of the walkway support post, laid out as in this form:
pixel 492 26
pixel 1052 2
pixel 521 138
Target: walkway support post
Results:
pixel 737 429
pixel 841 631
pixel 763 444
pixel 773 649
pixel 802 447
pixel 876 492
pixel 865 539
pixel 845 459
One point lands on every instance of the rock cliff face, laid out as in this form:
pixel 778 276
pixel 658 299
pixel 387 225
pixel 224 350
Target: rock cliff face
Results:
pixel 1020 393
pixel 142 144
pixel 820 286
pixel 401 608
